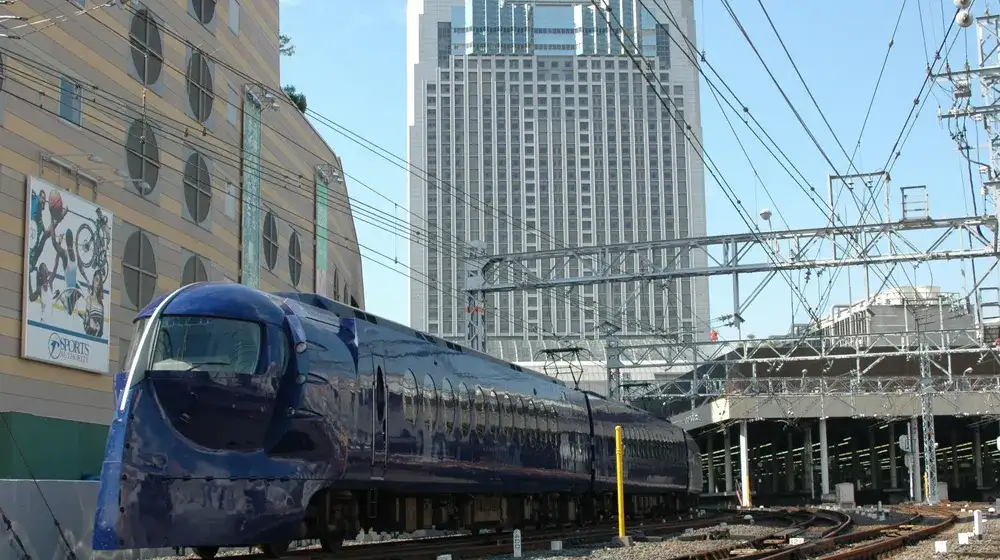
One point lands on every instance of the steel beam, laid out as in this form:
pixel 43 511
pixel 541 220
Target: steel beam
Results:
pixel 746 254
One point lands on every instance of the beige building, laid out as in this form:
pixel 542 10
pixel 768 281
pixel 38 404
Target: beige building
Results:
pixel 166 116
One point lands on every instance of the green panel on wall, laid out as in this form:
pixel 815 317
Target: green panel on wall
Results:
pixel 49 448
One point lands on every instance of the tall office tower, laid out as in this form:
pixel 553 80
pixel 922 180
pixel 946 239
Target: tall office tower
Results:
pixel 539 132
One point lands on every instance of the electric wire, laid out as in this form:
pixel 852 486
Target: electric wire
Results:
pixel 697 146
pixel 824 298
pixel 802 80
pixel 810 192
pixel 284 213
pixel 211 151
pixel 537 330
pixel 406 166
pixel 830 208
pixel 668 12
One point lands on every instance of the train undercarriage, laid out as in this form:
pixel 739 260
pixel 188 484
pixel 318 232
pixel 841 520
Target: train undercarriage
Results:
pixel 333 517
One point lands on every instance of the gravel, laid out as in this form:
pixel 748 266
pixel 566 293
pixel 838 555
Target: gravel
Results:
pixel 663 550
pixel 989 544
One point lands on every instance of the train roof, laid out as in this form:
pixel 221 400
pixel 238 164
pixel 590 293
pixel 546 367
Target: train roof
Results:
pixel 338 308
pixel 237 301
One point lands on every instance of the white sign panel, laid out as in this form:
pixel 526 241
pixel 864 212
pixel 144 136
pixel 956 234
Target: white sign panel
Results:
pixel 67 294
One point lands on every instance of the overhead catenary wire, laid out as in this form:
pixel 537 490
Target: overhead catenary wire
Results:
pixel 698 147
pixel 870 204
pixel 528 326
pixel 182 134
pixel 346 246
pixel 821 203
pixel 472 201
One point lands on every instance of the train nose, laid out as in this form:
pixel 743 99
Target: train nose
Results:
pixel 209 377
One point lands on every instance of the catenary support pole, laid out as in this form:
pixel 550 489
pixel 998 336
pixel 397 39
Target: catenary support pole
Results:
pixel 977 456
pixel 893 474
pixel 619 468
pixel 727 443
pixel 744 465
pixel 789 462
pixel 807 461
pixel 824 460
pixel 710 461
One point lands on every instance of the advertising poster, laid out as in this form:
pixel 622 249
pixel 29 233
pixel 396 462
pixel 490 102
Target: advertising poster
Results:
pixel 67 293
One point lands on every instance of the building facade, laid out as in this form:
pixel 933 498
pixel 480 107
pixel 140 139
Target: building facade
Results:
pixel 142 147
pixel 537 131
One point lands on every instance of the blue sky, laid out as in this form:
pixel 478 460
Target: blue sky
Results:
pixel 350 62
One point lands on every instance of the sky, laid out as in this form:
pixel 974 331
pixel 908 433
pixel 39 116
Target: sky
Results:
pixel 350 62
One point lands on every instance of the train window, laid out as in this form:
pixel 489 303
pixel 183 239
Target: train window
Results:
pixel 464 409
pixel 508 416
pixel 543 423
pixel 431 406
pixel 532 418
pixel 482 418
pixel 519 421
pixel 555 423
pixel 448 396
pixel 410 397
pixel 207 344
pixel 493 403
pixel 553 428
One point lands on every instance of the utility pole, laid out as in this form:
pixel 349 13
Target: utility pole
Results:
pixel 927 416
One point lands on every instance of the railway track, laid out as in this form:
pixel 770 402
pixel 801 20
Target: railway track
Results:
pixel 840 544
pixel 777 545
pixel 806 534
pixel 478 546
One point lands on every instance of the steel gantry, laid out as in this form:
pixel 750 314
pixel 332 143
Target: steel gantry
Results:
pixel 710 369
pixel 865 245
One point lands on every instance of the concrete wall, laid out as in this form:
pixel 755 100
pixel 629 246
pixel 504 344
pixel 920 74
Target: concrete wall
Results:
pixel 73 504
pixel 93 50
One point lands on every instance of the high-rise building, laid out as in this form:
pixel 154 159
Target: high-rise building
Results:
pixel 539 131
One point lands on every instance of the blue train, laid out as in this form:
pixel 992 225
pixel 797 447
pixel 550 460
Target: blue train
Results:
pixel 247 418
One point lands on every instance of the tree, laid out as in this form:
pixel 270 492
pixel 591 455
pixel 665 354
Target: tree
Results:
pixel 285 45
pixel 299 99
pixel 286 48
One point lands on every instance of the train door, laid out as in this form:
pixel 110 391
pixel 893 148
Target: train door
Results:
pixel 380 416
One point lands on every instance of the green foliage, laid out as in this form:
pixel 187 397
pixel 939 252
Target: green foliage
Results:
pixel 285 45
pixel 286 48
pixel 299 99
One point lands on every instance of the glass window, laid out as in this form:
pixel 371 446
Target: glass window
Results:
pixel 493 403
pixel 431 406
pixel 482 421
pixel 70 101
pixel 465 409
pixel 531 419
pixel 134 344
pixel 448 396
pixel 410 398
pixel 207 344
pixel 507 415
pixel 519 419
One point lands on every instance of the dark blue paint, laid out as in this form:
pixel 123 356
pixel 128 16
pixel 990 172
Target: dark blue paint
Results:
pixel 214 459
pixel 231 301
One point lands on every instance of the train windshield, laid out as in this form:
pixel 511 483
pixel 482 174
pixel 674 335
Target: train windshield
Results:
pixel 206 344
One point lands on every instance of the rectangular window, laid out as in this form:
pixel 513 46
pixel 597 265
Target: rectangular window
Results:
pixel 234 16
pixel 70 102
pixel 80 3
